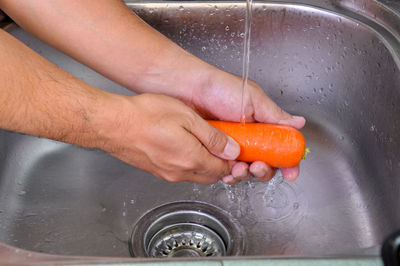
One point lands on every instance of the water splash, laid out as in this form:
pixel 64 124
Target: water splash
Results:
pixel 276 200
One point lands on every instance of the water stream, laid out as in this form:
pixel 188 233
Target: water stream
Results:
pixel 246 59
pixel 277 198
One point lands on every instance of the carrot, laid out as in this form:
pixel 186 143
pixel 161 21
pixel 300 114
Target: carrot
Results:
pixel 277 145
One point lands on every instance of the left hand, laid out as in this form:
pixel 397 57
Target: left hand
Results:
pixel 220 98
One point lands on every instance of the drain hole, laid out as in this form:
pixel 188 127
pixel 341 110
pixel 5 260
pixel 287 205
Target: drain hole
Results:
pixel 186 229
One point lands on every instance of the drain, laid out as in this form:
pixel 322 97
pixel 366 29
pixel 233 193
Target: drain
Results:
pixel 186 240
pixel 186 229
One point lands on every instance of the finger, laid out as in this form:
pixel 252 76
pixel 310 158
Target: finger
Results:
pixel 213 168
pixel 230 180
pixel 216 142
pixel 199 165
pixel 240 171
pixel 269 112
pixel 294 121
pixel 290 174
pixel 262 171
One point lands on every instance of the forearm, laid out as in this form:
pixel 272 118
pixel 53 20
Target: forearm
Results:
pixel 38 98
pixel 110 38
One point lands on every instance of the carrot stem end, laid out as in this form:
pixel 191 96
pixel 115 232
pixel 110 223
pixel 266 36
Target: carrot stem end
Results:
pixel 306 151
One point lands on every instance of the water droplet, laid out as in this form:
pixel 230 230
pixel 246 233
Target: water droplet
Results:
pixel 203 48
pixel 372 128
pixel 227 28
pixel 241 35
pixel 132 201
pixel 181 8
pixel 22 192
pixel 296 205
pixel 251 184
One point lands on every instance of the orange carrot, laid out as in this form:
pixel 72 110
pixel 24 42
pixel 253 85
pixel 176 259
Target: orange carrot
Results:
pixel 277 145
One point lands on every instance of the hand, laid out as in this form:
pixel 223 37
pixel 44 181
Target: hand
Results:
pixel 162 135
pixel 143 60
pixel 220 98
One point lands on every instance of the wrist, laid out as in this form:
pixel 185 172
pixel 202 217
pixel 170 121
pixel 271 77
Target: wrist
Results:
pixel 110 115
pixel 177 74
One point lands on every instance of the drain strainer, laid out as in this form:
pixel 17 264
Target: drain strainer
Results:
pixel 186 229
pixel 186 240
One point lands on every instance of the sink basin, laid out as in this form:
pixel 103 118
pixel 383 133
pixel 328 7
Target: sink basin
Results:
pixel 335 62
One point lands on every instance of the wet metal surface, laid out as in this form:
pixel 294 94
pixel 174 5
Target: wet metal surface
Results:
pixel 337 67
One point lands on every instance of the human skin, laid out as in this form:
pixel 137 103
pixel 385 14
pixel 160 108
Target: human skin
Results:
pixel 108 37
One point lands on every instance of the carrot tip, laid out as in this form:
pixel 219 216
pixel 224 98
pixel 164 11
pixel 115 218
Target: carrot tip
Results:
pixel 306 151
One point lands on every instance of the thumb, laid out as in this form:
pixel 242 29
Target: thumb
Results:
pixel 223 146
pixel 216 141
pixel 269 112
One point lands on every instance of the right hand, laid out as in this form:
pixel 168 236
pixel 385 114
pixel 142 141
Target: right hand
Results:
pixel 162 135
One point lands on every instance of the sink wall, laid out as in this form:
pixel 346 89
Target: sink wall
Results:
pixel 341 74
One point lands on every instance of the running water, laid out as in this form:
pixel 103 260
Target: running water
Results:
pixel 246 59
pixel 275 200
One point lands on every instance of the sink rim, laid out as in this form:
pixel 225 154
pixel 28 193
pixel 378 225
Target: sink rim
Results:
pixel 17 256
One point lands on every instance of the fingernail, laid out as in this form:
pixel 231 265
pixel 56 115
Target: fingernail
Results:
pixel 231 150
pixel 259 173
pixel 227 179
pixel 298 119
pixel 240 175
pixel 290 174
pixel 290 177
pixel 294 121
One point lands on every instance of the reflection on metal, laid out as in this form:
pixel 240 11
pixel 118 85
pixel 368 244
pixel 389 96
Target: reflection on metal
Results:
pixel 335 62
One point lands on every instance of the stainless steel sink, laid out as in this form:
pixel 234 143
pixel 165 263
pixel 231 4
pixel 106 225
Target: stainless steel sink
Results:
pixel 335 62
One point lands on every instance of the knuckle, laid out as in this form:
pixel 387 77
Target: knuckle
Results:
pixel 189 165
pixel 190 119
pixel 216 141
pixel 220 171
